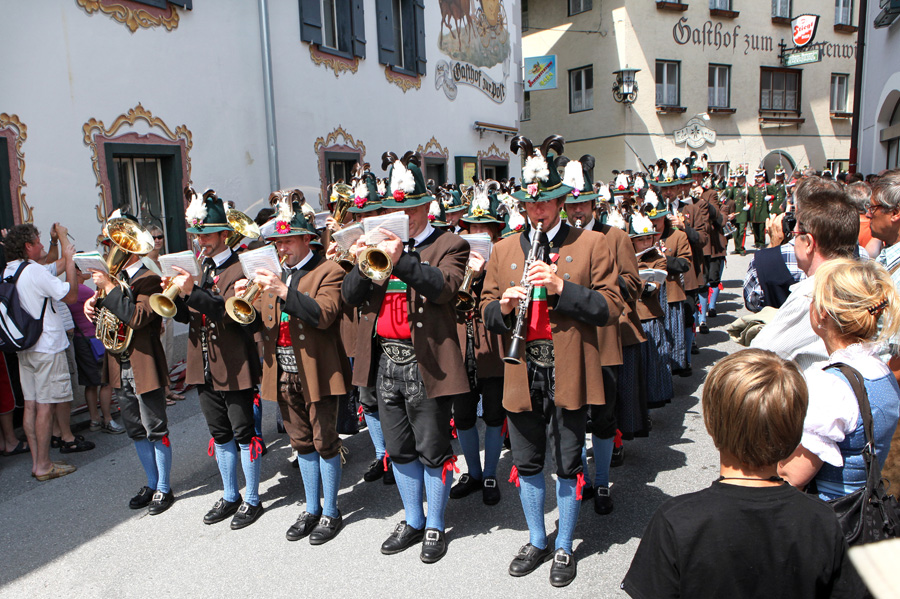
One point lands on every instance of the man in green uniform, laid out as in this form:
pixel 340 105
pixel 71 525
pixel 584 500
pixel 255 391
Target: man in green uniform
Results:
pixel 738 194
pixel 759 196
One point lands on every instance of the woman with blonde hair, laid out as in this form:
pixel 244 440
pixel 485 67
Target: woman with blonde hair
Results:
pixel 855 308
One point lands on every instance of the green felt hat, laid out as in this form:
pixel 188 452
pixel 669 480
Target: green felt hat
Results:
pixel 540 178
pixel 289 220
pixel 437 216
pixel 485 205
pixel 455 201
pixel 405 183
pixel 366 195
pixel 576 175
pixel 205 214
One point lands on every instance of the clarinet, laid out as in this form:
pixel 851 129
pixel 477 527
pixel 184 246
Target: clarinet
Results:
pixel 518 334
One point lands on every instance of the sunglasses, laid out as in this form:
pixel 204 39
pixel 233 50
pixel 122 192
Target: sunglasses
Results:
pixel 158 237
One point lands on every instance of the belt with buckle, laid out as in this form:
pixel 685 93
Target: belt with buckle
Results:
pixel 540 353
pixel 398 351
pixel 287 360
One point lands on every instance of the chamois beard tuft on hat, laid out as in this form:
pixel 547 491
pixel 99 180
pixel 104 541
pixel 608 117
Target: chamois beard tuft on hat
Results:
pixel 651 199
pixel 621 182
pixel 308 211
pixel 516 220
pixel 285 212
pixel 682 172
pixel 535 168
pixel 604 192
pixel 639 183
pixel 381 184
pixel 614 219
pixel 361 190
pixel 641 224
pixel 434 209
pixel 573 175
pixel 196 211
pixel 402 178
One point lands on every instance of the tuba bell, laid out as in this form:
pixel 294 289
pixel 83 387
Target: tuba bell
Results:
pixel 243 226
pixel 128 238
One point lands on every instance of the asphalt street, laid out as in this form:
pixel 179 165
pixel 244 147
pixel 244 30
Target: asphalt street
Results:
pixel 76 537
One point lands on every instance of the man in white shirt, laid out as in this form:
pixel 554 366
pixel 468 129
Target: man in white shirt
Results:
pixel 43 369
pixel 827 228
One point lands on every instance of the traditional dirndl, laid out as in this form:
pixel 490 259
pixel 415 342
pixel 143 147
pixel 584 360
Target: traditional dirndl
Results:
pixel 674 330
pixel 632 414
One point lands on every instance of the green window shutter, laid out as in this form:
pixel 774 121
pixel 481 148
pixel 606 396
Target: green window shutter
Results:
pixel 358 28
pixel 387 53
pixel 419 24
pixel 311 21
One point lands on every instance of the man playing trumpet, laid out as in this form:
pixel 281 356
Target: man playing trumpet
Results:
pixel 305 367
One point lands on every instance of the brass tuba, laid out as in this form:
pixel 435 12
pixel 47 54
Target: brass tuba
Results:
pixel 243 226
pixel 128 238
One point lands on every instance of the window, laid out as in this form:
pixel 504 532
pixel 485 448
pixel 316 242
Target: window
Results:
pixel 839 92
pixel 524 15
pixel 139 190
pixel 336 26
pixel 893 143
pixel 779 90
pixel 339 167
pixel 667 83
pixel 781 8
pixel 720 4
pixel 6 213
pixel 719 169
pixel 843 10
pixel 577 6
pixel 401 34
pixel 719 86
pixel 436 170
pixel 495 171
pixel 526 107
pixel 581 89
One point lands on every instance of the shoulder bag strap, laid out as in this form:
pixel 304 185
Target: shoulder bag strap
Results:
pixel 873 472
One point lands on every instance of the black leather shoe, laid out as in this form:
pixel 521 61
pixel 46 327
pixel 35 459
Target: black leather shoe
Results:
pixel 704 330
pixel 302 527
pixel 246 515
pixel 221 510
pixel 618 457
pixel 467 484
pixel 389 474
pixel 587 492
pixel 375 471
pixel 686 372
pixel 694 349
pixel 528 559
pixel 403 537
pixel 142 499
pixel 563 569
pixel 602 501
pixel 490 492
pixel 326 529
pixel 434 547
pixel 161 502
pixel 711 313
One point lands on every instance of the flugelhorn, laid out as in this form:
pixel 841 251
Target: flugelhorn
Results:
pixel 240 308
pixel 465 299
pixel 375 264
pixel 164 303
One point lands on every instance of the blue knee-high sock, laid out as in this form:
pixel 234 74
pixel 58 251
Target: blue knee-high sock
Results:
pixel 411 484
pixel 468 441
pixel 714 298
pixel 251 475
pixel 531 493
pixel 331 482
pixel 148 461
pixel 603 449
pixel 163 457
pixel 311 474
pixel 257 418
pixel 584 466
pixel 437 492
pixel 704 305
pixel 227 458
pixel 493 444
pixel 373 423
pixel 568 512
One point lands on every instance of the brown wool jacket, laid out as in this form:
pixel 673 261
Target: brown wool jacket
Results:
pixel 630 284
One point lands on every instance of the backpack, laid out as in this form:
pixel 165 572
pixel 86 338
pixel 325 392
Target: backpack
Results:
pixel 19 330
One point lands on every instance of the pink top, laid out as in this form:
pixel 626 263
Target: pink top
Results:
pixel 77 309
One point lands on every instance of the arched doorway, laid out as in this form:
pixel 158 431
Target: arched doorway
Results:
pixel 777 158
pixel 893 139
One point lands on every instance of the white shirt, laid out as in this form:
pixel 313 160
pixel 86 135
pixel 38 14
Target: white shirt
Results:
pixel 132 270
pixel 422 236
pixel 790 334
pixel 550 234
pixel 36 284
pixel 833 409
pixel 300 264
pixel 222 256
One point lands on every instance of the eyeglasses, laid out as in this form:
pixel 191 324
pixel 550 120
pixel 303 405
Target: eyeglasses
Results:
pixel 159 237
pixel 873 207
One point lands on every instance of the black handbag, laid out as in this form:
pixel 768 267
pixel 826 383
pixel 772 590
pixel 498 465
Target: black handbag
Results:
pixel 868 514
pixel 347 417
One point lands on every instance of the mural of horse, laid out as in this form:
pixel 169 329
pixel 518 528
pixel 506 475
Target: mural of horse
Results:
pixel 458 11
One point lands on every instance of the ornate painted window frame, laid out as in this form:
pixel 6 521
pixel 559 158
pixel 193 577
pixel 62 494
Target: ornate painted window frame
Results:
pixel 133 15
pixel 335 62
pixel 331 143
pixel 402 80
pixel 15 132
pixel 97 135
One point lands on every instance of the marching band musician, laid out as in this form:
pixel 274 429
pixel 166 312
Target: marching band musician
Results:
pixel 575 291
pixel 139 376
pixel 409 350
pixel 579 208
pixel 484 349
pixel 222 361
pixel 304 365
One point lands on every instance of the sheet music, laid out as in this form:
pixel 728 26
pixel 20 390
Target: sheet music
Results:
pixel 267 228
pixel 653 275
pixel 88 261
pixel 321 217
pixel 347 236
pixel 185 260
pixel 265 257
pixel 397 223
pixel 481 243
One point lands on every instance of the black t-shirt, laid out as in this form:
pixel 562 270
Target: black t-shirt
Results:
pixel 734 541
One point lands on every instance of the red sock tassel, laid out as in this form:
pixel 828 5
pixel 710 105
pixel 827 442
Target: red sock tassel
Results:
pixel 256 400
pixel 212 448
pixel 165 441
pixel 579 484
pixel 617 442
pixel 385 460
pixel 453 432
pixel 450 464
pixel 505 430
pixel 256 448
pixel 514 475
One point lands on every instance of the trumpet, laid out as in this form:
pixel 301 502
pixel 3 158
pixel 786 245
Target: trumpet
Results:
pixel 375 263
pixel 241 309
pixel 465 299
pixel 164 303
pixel 342 194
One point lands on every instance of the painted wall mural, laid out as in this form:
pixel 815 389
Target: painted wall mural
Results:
pixel 133 15
pixel 474 35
